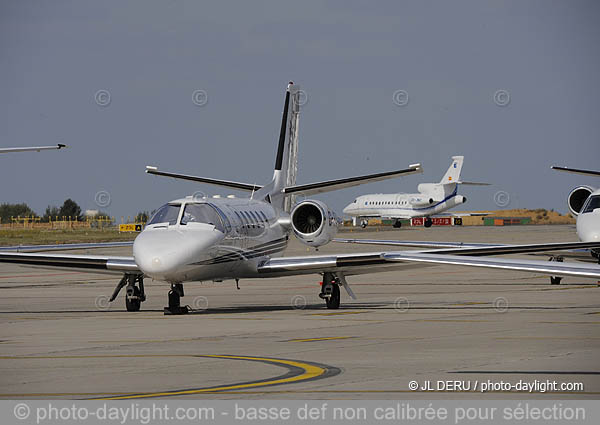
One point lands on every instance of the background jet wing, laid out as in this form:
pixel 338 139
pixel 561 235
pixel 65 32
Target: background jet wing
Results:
pixel 33 148
pixel 327 186
pixel 419 244
pixel 477 249
pixel 472 214
pixel 90 263
pixel 64 247
pixel 551 268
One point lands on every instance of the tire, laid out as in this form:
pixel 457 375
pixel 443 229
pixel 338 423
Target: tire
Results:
pixel 428 222
pixel 133 304
pixel 397 224
pixel 555 280
pixel 333 302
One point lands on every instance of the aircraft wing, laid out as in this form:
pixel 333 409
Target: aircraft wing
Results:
pixel 33 148
pixel 472 214
pixel 64 247
pixel 89 263
pixel 354 264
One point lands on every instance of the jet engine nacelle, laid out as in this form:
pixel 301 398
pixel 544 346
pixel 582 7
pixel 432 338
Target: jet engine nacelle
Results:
pixel 421 201
pixel 313 223
pixel 577 198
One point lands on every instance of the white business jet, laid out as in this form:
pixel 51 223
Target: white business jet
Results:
pixel 432 199
pixel 200 239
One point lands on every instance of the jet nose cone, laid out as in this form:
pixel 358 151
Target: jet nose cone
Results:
pixel 347 209
pixel 588 227
pixel 164 253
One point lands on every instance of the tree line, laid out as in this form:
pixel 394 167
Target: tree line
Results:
pixel 69 210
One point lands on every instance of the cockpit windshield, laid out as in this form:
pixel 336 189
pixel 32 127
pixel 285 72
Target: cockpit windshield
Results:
pixel 166 214
pixel 591 204
pixel 202 213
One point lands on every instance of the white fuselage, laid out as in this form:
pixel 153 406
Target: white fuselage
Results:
pixel 228 245
pixel 406 205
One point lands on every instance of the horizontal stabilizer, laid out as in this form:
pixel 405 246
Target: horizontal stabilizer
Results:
pixel 577 171
pixel 234 185
pixel 328 186
pixel 474 183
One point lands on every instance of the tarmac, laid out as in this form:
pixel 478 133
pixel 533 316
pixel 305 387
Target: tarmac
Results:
pixel 452 330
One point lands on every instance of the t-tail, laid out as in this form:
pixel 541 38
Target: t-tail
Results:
pixel 282 189
pixel 453 174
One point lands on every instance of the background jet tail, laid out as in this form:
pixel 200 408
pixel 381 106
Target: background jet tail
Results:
pixel 453 173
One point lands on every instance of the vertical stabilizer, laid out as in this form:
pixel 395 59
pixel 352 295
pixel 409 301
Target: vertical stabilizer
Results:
pixel 453 173
pixel 286 160
pixel 292 145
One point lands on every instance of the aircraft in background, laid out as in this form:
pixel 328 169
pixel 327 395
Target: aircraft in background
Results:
pixel 432 200
pixel 202 239
pixel 583 203
pixel 33 148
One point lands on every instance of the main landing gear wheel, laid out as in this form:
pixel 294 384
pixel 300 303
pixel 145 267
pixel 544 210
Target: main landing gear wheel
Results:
pixel 364 223
pixel 428 222
pixel 333 302
pixel 397 224
pixel 175 295
pixel 330 291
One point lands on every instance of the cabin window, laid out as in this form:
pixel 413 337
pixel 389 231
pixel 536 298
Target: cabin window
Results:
pixel 202 213
pixel 591 204
pixel 255 217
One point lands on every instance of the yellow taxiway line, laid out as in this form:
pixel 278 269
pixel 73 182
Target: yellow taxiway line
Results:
pixel 297 371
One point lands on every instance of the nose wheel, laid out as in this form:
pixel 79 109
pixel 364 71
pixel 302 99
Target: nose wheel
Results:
pixel 175 295
pixel 134 294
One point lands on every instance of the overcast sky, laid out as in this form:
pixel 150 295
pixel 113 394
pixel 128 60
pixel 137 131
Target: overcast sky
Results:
pixel 60 59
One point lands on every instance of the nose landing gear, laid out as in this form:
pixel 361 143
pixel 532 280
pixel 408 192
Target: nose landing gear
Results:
pixel 134 294
pixel 175 295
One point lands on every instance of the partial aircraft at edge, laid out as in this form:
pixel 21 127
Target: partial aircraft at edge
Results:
pixel 432 200
pixel 215 239
pixel 33 148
